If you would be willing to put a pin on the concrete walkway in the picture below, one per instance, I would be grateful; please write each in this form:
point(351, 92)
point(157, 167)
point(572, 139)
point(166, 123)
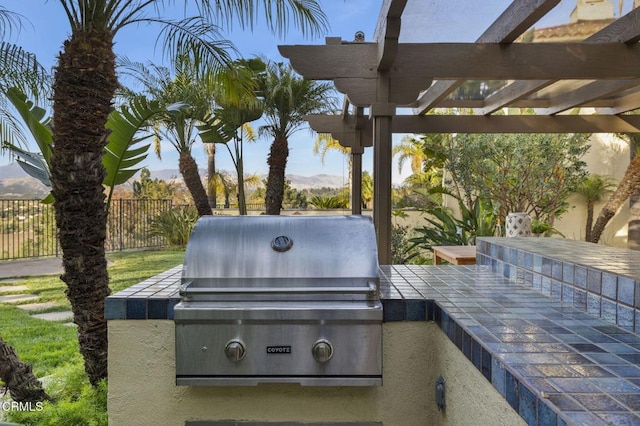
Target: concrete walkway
point(30, 267)
point(11, 273)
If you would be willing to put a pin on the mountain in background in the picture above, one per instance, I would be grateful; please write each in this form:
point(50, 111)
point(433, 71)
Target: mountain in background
point(15, 183)
point(298, 182)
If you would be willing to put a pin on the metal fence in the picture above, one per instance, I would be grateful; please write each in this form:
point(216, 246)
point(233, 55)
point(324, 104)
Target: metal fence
point(28, 228)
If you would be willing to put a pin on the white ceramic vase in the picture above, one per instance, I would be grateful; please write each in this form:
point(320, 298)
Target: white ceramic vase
point(518, 225)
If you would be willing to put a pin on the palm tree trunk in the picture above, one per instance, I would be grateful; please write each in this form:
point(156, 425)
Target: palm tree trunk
point(629, 183)
point(277, 161)
point(211, 172)
point(189, 171)
point(633, 238)
point(18, 377)
point(85, 83)
point(242, 202)
point(589, 227)
point(633, 235)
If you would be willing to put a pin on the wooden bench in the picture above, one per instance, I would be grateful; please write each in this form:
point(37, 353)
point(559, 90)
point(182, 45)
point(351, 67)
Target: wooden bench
point(456, 255)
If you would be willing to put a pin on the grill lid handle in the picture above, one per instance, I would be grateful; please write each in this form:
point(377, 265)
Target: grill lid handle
point(185, 290)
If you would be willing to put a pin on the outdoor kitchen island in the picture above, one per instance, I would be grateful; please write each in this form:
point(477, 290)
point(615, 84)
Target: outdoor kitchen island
point(517, 338)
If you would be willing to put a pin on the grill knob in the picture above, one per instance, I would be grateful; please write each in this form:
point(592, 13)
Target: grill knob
point(234, 350)
point(322, 350)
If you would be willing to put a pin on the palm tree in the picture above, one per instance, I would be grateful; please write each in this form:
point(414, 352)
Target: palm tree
point(228, 124)
point(244, 133)
point(84, 87)
point(425, 153)
point(593, 189)
point(226, 183)
point(410, 148)
point(287, 99)
point(223, 181)
point(188, 97)
point(367, 189)
point(324, 143)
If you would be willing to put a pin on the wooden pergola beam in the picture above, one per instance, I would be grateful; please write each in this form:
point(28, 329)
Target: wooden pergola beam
point(470, 61)
point(493, 124)
point(385, 74)
point(589, 92)
point(624, 104)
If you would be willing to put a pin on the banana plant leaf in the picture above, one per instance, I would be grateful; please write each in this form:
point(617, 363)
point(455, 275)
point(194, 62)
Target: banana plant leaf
point(32, 163)
point(214, 130)
point(122, 153)
point(36, 121)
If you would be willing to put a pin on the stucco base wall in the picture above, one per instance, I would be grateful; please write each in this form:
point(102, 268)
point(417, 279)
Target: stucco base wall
point(142, 388)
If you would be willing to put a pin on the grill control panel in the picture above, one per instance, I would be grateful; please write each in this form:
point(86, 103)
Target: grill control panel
point(235, 350)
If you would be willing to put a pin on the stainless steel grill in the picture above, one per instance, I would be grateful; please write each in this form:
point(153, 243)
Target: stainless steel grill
point(280, 299)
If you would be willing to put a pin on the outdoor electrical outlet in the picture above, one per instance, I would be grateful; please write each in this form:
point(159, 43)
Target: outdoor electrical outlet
point(440, 393)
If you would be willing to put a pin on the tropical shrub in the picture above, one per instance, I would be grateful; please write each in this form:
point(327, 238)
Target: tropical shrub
point(175, 225)
point(445, 229)
point(402, 251)
point(543, 229)
point(328, 202)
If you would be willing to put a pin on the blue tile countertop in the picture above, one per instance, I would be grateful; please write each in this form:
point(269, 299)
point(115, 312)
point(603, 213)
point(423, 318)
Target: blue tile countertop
point(553, 363)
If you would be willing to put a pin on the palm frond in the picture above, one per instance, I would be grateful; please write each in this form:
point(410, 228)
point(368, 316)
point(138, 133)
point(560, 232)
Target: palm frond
point(21, 69)
point(199, 39)
point(9, 21)
point(305, 15)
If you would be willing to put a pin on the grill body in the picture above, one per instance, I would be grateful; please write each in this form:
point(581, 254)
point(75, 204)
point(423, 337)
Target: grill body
point(280, 299)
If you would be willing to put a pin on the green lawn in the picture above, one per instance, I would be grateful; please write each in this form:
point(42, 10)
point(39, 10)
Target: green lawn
point(52, 348)
point(125, 269)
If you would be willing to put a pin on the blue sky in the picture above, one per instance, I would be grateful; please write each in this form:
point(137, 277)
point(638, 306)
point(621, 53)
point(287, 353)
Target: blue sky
point(46, 28)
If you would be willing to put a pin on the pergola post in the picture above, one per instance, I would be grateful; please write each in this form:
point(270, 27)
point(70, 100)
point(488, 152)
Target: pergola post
point(356, 179)
point(382, 113)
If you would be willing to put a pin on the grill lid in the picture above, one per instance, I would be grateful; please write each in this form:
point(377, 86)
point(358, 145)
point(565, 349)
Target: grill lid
point(253, 250)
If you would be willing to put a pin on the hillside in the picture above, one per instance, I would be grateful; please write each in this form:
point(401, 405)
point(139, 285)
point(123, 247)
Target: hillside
point(15, 183)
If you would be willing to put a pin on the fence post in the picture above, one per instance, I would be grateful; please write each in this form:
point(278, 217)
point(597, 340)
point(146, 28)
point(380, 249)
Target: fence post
point(120, 216)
